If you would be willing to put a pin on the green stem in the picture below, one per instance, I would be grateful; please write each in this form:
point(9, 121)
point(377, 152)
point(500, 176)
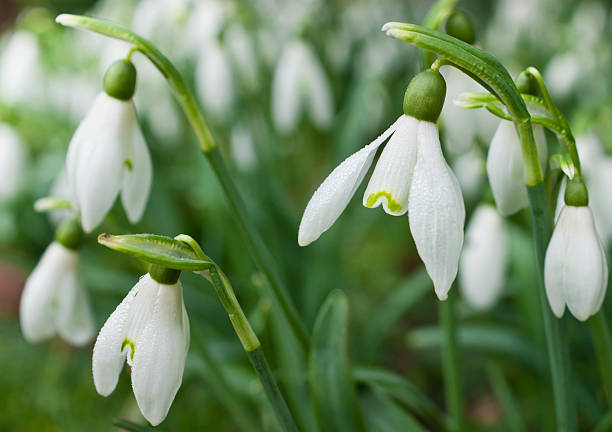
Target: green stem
point(129, 426)
point(252, 347)
point(603, 348)
point(554, 329)
point(434, 18)
point(264, 373)
point(451, 361)
point(187, 101)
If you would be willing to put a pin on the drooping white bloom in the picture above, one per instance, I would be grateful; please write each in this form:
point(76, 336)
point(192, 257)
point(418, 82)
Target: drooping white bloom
point(483, 260)
point(108, 154)
point(575, 268)
point(12, 162)
point(469, 169)
point(214, 80)
point(410, 176)
point(150, 329)
point(462, 126)
point(240, 46)
point(505, 167)
point(300, 83)
point(242, 148)
point(21, 77)
point(54, 300)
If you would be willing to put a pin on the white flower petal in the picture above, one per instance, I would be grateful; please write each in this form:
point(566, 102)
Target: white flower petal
point(141, 308)
point(436, 211)
point(483, 259)
point(12, 162)
point(138, 175)
point(38, 307)
point(505, 167)
point(74, 318)
point(106, 134)
point(160, 356)
point(108, 356)
point(390, 182)
point(333, 195)
point(575, 268)
point(316, 90)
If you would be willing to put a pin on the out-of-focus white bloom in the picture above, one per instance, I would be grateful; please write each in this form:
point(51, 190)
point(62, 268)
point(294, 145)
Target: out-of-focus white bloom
point(411, 165)
point(54, 300)
point(108, 154)
point(204, 24)
point(150, 329)
point(597, 168)
point(21, 77)
point(214, 81)
point(562, 73)
point(575, 269)
point(12, 162)
point(242, 148)
point(483, 260)
point(469, 169)
point(240, 46)
point(505, 167)
point(462, 126)
point(72, 94)
point(300, 83)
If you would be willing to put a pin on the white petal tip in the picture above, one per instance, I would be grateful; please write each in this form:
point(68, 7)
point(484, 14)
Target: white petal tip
point(442, 296)
point(66, 19)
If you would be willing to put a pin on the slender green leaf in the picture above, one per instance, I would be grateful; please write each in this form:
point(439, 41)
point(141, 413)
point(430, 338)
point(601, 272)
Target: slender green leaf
point(330, 370)
point(503, 393)
point(385, 415)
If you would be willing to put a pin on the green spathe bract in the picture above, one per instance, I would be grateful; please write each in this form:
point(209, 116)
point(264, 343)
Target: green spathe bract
point(120, 80)
point(156, 249)
point(424, 96)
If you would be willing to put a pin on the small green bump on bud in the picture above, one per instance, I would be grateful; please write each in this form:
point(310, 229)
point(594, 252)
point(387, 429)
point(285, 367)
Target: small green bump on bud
point(459, 25)
point(525, 83)
point(164, 275)
point(69, 234)
point(120, 80)
point(576, 194)
point(424, 96)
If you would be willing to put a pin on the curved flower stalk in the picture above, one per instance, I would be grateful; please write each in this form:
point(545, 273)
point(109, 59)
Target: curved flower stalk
point(505, 167)
point(411, 176)
point(149, 329)
point(108, 153)
point(483, 260)
point(576, 269)
point(12, 162)
point(300, 83)
point(54, 300)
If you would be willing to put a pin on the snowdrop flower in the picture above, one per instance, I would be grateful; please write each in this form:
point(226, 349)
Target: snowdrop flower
point(54, 300)
point(149, 329)
point(12, 162)
point(505, 167)
point(575, 267)
point(214, 81)
point(300, 83)
point(469, 170)
point(108, 153)
point(411, 176)
point(20, 69)
point(483, 260)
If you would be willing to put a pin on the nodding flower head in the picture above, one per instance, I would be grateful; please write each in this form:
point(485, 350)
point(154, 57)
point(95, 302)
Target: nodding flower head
point(108, 153)
point(150, 330)
point(411, 176)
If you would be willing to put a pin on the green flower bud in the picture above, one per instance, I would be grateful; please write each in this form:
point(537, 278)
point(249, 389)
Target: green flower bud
point(69, 234)
point(120, 80)
point(459, 25)
point(163, 274)
point(576, 194)
point(424, 96)
point(526, 83)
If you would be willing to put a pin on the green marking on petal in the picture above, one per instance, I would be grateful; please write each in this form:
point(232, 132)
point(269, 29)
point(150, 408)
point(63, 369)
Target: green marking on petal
point(392, 205)
point(128, 164)
point(132, 345)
